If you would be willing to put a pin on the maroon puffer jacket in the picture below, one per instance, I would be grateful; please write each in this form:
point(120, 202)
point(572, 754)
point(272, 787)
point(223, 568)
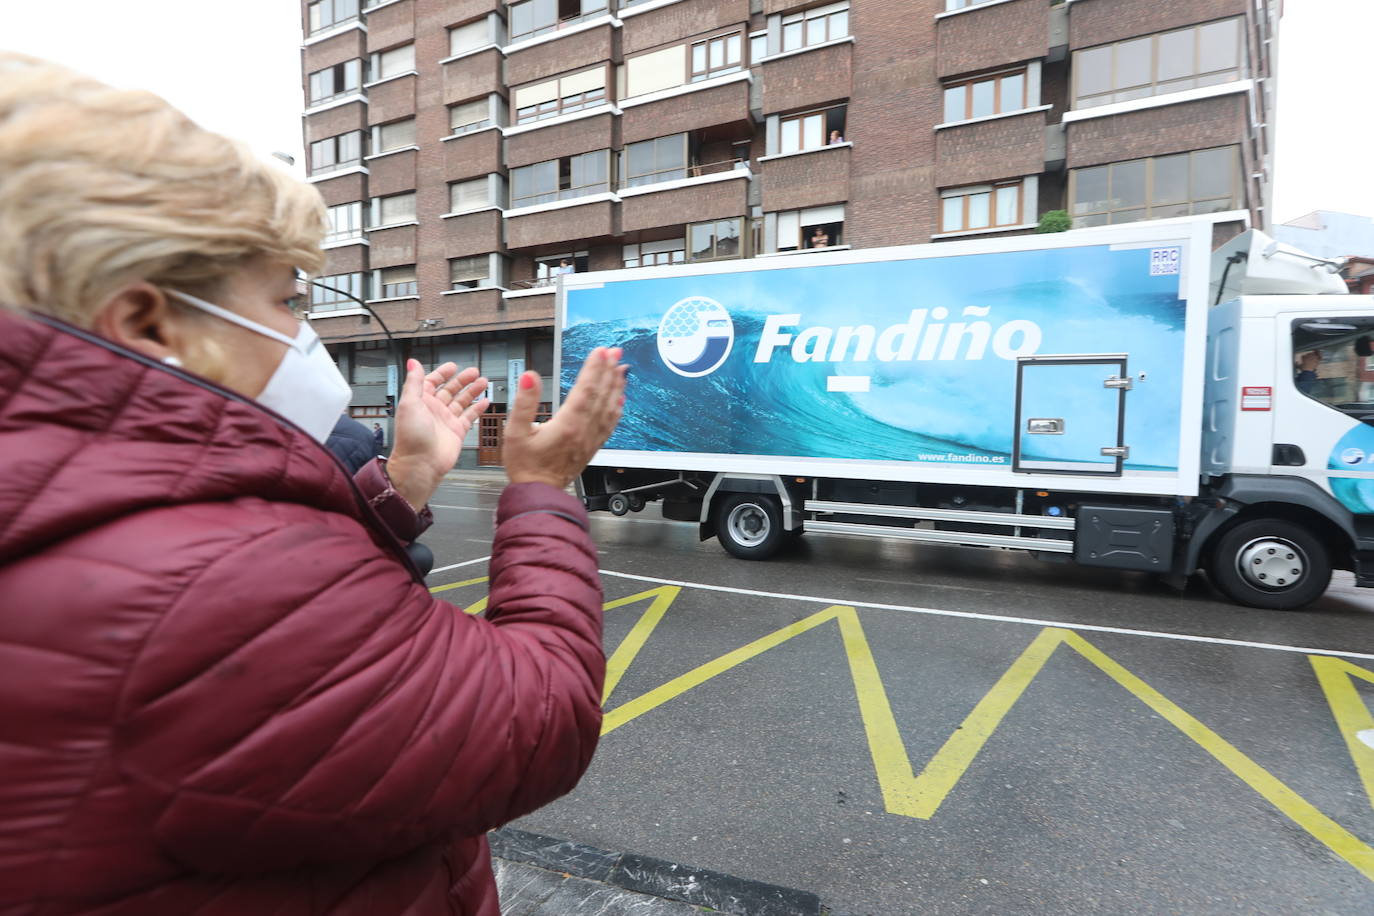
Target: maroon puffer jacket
point(223, 690)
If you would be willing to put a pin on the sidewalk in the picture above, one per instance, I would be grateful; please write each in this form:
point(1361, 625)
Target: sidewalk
point(541, 876)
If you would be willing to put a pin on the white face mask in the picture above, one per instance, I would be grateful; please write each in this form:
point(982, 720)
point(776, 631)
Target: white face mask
point(307, 387)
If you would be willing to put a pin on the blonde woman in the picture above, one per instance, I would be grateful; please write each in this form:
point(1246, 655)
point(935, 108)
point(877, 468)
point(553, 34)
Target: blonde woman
point(223, 687)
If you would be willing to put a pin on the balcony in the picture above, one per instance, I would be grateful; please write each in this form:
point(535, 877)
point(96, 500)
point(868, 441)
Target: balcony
point(807, 178)
point(542, 56)
point(659, 25)
point(472, 154)
point(1100, 135)
point(471, 75)
point(390, 25)
point(488, 309)
point(391, 99)
point(986, 149)
point(793, 79)
point(392, 246)
point(984, 36)
point(393, 172)
point(721, 101)
point(472, 233)
point(564, 221)
point(709, 191)
point(570, 138)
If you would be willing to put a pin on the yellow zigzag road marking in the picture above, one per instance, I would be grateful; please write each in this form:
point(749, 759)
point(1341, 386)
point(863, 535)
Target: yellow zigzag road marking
point(1336, 677)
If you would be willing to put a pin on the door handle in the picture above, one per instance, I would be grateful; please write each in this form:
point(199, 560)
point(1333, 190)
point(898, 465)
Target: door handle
point(1123, 451)
point(1045, 426)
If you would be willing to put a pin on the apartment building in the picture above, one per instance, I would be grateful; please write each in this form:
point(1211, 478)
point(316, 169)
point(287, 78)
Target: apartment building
point(471, 150)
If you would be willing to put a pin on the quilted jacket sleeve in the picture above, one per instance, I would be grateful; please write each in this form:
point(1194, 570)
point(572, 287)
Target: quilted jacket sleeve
point(305, 701)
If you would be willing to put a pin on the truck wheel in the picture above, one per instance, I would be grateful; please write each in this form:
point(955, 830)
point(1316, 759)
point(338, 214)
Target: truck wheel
point(749, 525)
point(1270, 563)
point(636, 502)
point(618, 503)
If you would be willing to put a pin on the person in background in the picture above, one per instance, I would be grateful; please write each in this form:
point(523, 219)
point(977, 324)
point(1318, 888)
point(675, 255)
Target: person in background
point(352, 444)
point(564, 267)
point(379, 437)
point(835, 137)
point(225, 687)
point(820, 238)
point(1306, 376)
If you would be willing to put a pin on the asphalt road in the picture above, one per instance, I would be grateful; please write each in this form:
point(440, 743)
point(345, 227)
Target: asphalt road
point(906, 728)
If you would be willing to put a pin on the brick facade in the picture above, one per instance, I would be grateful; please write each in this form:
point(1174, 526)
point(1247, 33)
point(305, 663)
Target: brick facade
point(578, 50)
point(990, 150)
point(335, 121)
point(392, 173)
point(472, 233)
point(806, 180)
point(343, 189)
point(808, 79)
point(672, 23)
point(350, 45)
point(993, 36)
point(392, 100)
point(473, 154)
point(717, 200)
point(473, 76)
point(723, 105)
point(391, 26)
point(581, 136)
point(1095, 22)
point(392, 247)
point(552, 227)
point(1157, 131)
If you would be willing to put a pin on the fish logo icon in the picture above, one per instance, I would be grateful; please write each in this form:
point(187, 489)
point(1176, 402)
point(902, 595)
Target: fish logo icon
point(695, 336)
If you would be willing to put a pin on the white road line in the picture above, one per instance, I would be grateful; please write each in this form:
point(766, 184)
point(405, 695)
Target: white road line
point(456, 565)
point(1367, 736)
point(995, 618)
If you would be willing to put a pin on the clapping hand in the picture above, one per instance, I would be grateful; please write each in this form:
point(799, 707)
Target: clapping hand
point(556, 452)
point(434, 414)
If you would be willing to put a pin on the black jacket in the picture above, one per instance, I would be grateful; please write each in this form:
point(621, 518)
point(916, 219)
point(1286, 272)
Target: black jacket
point(351, 443)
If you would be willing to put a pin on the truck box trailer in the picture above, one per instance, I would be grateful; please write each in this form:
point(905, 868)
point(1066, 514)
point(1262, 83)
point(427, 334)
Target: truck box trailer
point(1120, 397)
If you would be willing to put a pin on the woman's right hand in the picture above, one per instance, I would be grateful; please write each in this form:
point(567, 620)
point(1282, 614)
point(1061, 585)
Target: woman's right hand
point(556, 452)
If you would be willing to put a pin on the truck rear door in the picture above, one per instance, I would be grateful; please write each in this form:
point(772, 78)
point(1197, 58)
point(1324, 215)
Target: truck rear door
point(1070, 415)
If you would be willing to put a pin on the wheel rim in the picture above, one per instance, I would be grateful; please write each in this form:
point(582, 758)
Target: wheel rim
point(749, 525)
point(1271, 563)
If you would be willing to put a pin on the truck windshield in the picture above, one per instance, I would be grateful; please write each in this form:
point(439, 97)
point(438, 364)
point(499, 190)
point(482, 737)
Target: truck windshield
point(1333, 362)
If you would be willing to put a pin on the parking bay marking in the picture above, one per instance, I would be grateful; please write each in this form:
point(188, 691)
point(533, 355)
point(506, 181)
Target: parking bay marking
point(920, 796)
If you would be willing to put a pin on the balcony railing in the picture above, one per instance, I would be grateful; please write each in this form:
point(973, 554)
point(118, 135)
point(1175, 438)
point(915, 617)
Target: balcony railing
point(695, 170)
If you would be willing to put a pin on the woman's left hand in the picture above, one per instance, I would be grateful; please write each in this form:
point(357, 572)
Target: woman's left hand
point(434, 414)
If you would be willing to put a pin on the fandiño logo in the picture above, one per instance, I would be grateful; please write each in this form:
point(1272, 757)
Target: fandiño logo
point(695, 336)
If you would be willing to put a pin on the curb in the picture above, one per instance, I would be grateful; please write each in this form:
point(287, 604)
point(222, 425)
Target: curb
point(645, 875)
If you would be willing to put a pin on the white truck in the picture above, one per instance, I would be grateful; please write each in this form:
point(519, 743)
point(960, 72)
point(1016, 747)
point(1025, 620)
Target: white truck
point(1123, 397)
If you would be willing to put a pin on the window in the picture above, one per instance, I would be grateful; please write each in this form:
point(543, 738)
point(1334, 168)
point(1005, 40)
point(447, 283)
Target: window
point(393, 63)
point(396, 135)
point(1331, 363)
point(656, 254)
point(469, 116)
point(469, 273)
point(652, 161)
point(476, 194)
point(714, 240)
point(560, 179)
point(539, 17)
point(332, 82)
point(332, 293)
point(962, 4)
point(981, 207)
point(327, 13)
point(548, 267)
point(986, 95)
point(336, 152)
point(369, 363)
point(345, 222)
point(469, 37)
point(396, 282)
point(1205, 181)
point(657, 70)
point(811, 130)
point(814, 227)
point(1201, 55)
point(758, 46)
point(561, 96)
point(811, 27)
point(716, 56)
point(398, 208)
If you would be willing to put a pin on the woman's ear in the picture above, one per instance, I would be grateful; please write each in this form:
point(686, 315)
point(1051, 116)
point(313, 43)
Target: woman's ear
point(141, 317)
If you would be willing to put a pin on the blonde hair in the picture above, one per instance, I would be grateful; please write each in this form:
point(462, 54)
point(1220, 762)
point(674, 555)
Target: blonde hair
point(100, 187)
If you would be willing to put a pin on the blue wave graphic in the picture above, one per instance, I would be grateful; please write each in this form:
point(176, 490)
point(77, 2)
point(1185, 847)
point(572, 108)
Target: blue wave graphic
point(949, 411)
point(711, 354)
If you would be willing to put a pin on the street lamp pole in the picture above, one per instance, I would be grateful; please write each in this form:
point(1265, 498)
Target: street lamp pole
point(393, 349)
